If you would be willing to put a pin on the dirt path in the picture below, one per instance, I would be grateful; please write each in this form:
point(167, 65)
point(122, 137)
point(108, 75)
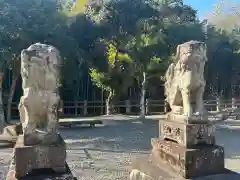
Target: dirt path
point(105, 153)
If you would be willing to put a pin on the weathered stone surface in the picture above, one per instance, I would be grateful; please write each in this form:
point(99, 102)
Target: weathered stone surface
point(183, 119)
point(40, 138)
point(200, 161)
point(184, 85)
point(40, 71)
point(150, 167)
point(187, 134)
point(28, 158)
point(45, 174)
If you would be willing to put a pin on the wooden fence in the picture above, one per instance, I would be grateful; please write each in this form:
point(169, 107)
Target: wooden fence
point(95, 108)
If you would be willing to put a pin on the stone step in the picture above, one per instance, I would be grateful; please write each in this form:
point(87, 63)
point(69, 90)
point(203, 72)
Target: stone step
point(199, 161)
point(187, 134)
point(149, 167)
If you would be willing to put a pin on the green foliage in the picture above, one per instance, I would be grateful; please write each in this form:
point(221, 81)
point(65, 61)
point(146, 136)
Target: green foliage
point(99, 79)
point(73, 8)
point(222, 69)
point(146, 31)
point(159, 35)
point(118, 41)
point(117, 77)
point(223, 44)
point(24, 22)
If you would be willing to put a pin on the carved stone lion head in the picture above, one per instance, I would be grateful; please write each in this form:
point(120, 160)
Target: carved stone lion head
point(190, 56)
point(41, 54)
point(37, 62)
point(194, 49)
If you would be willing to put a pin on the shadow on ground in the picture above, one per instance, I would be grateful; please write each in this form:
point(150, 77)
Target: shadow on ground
point(120, 136)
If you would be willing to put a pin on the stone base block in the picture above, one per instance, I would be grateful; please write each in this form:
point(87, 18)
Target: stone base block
point(29, 158)
point(187, 134)
point(149, 167)
point(201, 161)
point(40, 138)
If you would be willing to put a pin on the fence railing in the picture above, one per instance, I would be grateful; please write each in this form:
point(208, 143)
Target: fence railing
point(94, 108)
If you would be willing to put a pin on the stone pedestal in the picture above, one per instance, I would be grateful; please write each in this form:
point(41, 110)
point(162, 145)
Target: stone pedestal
point(187, 149)
point(37, 157)
point(151, 167)
point(199, 161)
point(41, 138)
point(187, 133)
point(188, 146)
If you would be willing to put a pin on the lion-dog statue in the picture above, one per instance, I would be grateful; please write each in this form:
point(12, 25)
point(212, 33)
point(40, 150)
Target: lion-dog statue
point(38, 107)
point(184, 79)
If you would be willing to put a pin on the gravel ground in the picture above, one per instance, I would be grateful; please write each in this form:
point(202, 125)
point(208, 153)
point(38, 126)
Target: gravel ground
point(105, 153)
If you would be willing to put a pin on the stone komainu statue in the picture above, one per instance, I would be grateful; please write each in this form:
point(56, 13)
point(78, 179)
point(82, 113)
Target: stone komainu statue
point(185, 84)
point(40, 71)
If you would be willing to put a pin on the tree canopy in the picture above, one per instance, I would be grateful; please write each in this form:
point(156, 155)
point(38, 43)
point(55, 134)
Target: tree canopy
point(119, 45)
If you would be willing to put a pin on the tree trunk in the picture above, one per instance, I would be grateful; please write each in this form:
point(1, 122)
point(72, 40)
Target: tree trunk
point(110, 103)
point(10, 98)
point(143, 97)
point(2, 118)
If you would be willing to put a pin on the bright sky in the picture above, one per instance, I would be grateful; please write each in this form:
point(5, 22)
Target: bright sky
point(203, 6)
